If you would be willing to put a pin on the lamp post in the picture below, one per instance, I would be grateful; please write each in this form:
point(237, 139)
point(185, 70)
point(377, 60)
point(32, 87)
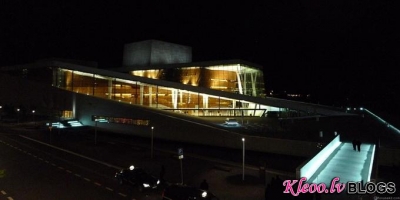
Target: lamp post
point(95, 132)
point(243, 140)
point(152, 136)
point(33, 114)
point(18, 115)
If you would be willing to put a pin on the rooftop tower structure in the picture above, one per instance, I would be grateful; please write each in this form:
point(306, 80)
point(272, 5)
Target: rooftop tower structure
point(154, 52)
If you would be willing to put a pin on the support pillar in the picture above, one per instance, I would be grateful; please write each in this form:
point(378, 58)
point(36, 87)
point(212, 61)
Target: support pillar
point(141, 95)
point(150, 96)
point(110, 91)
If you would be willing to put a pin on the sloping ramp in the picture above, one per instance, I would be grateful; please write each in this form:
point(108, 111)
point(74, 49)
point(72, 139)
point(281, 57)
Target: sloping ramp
point(347, 164)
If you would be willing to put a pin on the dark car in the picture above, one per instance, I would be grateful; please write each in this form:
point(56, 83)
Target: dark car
point(137, 177)
point(184, 192)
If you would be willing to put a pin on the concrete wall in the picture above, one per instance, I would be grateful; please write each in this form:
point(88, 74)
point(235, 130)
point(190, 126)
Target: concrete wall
point(171, 126)
point(153, 52)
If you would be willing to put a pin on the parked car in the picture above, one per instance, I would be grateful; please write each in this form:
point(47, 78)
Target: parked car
point(137, 177)
point(184, 192)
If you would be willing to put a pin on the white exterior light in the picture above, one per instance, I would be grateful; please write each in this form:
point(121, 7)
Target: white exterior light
point(204, 194)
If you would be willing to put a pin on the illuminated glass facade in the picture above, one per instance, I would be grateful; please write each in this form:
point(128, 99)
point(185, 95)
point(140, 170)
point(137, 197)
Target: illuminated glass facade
point(169, 98)
point(235, 78)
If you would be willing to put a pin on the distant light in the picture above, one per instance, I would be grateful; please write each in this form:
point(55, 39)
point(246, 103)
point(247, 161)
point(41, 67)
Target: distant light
point(33, 111)
point(361, 108)
point(355, 108)
point(131, 167)
point(243, 139)
point(348, 108)
point(101, 120)
point(18, 109)
point(152, 127)
point(204, 194)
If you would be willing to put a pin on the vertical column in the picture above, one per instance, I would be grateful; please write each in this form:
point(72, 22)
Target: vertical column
point(180, 96)
point(239, 81)
point(197, 105)
point(136, 94)
point(157, 97)
point(141, 95)
point(253, 83)
point(234, 107)
point(205, 103)
point(174, 98)
point(110, 90)
point(245, 92)
point(73, 105)
point(150, 95)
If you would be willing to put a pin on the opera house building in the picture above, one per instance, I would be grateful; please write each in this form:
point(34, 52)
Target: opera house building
point(156, 78)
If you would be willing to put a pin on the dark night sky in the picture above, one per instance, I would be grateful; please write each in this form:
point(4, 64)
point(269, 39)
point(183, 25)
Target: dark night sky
point(341, 52)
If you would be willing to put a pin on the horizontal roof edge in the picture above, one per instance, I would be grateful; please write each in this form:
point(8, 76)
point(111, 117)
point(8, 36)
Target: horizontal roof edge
point(179, 65)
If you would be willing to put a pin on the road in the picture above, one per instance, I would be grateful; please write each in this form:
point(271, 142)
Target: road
point(29, 170)
point(89, 167)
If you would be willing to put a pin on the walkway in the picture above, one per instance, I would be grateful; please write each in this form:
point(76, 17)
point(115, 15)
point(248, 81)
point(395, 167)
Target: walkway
point(347, 164)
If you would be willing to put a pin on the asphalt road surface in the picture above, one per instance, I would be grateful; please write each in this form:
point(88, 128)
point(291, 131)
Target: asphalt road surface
point(29, 170)
point(70, 165)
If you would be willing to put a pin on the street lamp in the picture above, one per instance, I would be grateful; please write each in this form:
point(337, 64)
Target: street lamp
point(152, 136)
point(33, 114)
point(95, 132)
point(243, 140)
point(18, 115)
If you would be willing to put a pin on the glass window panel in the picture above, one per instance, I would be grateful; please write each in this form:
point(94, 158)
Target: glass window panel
point(101, 86)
